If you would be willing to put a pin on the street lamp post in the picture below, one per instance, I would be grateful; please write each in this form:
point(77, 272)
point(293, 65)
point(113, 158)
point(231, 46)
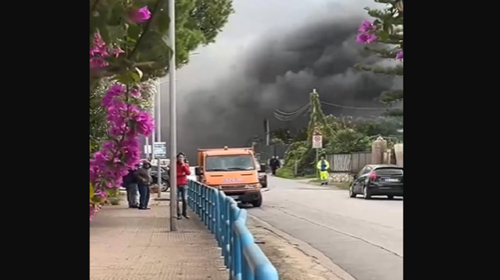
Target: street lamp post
point(173, 118)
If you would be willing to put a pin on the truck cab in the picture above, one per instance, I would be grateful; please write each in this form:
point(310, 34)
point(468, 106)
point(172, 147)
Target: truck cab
point(232, 170)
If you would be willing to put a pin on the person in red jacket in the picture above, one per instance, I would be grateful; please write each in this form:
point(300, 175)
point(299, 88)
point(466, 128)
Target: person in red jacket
point(182, 173)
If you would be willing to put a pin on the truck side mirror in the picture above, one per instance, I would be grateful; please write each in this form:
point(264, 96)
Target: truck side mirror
point(263, 168)
point(198, 171)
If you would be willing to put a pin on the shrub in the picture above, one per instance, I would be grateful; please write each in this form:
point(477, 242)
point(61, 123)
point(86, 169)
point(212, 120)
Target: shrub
point(285, 172)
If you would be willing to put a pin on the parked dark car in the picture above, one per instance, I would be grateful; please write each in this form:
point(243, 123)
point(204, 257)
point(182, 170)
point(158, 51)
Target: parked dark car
point(165, 182)
point(378, 179)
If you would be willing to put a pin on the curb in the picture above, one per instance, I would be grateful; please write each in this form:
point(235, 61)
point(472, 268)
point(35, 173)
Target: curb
point(307, 249)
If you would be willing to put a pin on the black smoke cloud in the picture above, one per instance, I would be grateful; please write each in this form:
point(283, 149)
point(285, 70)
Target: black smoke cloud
point(280, 72)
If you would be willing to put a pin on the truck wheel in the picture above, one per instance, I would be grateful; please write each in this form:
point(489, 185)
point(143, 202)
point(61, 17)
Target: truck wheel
point(257, 202)
point(165, 185)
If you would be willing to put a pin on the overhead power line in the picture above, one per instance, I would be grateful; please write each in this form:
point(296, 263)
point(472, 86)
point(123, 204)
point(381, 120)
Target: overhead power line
point(352, 108)
point(288, 116)
point(293, 113)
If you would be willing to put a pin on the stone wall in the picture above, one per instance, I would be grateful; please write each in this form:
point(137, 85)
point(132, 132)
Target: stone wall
point(340, 177)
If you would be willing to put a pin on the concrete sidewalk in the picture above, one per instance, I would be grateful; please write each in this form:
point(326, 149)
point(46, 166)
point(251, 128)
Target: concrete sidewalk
point(137, 245)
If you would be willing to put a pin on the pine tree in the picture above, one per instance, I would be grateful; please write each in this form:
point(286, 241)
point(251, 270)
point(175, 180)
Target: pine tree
point(385, 36)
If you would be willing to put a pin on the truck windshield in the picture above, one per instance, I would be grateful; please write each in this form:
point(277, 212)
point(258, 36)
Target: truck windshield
point(229, 163)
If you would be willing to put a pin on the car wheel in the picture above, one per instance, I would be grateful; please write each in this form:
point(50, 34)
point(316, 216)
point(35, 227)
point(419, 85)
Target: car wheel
point(390, 197)
point(257, 202)
point(351, 192)
point(366, 193)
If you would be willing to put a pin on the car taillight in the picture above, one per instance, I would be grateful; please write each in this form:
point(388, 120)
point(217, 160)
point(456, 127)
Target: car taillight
point(372, 175)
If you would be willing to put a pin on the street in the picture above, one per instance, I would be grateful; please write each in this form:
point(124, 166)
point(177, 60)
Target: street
point(363, 237)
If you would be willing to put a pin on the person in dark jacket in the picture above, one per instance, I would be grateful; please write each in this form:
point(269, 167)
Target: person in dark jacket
point(144, 180)
point(278, 162)
point(182, 173)
point(130, 184)
point(274, 164)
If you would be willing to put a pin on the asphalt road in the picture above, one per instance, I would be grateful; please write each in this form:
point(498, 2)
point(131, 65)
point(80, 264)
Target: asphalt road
point(363, 237)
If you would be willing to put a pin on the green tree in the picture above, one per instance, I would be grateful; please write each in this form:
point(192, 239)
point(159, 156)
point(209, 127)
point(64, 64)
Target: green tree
point(281, 135)
point(145, 45)
point(385, 36)
point(197, 23)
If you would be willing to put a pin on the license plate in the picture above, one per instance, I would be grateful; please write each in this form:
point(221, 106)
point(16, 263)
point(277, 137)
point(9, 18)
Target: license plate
point(234, 196)
point(391, 180)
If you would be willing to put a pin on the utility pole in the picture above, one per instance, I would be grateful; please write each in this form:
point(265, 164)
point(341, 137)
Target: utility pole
point(173, 118)
point(158, 131)
point(153, 113)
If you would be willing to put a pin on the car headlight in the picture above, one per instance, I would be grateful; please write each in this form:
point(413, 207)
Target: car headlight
point(252, 186)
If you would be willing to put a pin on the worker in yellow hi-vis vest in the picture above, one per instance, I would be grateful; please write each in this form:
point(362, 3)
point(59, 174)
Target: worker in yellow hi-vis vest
point(323, 165)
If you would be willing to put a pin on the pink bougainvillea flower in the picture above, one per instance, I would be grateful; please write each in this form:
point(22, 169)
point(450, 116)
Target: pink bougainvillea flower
point(98, 46)
point(135, 93)
point(114, 91)
point(98, 42)
point(139, 16)
point(117, 52)
point(399, 55)
point(366, 26)
point(97, 62)
point(366, 38)
point(126, 122)
point(144, 123)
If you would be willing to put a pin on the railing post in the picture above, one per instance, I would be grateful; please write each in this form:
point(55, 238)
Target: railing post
point(210, 210)
point(204, 204)
point(217, 217)
point(197, 195)
point(189, 192)
point(213, 211)
point(201, 203)
point(207, 205)
point(227, 237)
point(233, 215)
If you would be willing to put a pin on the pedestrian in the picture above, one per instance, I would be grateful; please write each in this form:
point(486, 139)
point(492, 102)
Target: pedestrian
point(278, 162)
point(274, 164)
point(130, 184)
point(144, 180)
point(272, 161)
point(182, 181)
point(323, 165)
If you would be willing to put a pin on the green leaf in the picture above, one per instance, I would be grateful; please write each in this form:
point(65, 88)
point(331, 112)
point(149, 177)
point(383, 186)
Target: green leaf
point(91, 191)
point(163, 22)
point(134, 31)
point(116, 14)
point(130, 77)
point(116, 32)
point(383, 35)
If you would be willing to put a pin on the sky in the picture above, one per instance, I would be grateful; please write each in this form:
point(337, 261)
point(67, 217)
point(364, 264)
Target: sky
point(270, 55)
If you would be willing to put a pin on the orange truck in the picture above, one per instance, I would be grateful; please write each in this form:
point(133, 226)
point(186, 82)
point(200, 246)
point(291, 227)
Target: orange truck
point(232, 170)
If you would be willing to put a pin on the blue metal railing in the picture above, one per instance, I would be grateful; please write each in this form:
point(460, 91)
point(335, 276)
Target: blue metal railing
point(220, 213)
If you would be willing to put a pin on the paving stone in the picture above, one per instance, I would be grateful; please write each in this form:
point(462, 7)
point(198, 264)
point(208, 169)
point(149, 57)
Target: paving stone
point(130, 244)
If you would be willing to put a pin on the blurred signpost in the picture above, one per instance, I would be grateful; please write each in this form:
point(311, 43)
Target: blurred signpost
point(160, 150)
point(317, 143)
